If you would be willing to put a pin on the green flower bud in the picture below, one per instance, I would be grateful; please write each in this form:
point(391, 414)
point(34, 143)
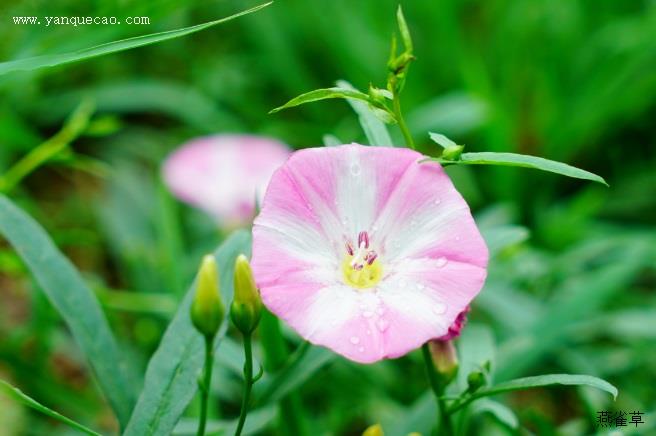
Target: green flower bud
point(453, 152)
point(207, 310)
point(475, 380)
point(246, 307)
point(445, 360)
point(374, 430)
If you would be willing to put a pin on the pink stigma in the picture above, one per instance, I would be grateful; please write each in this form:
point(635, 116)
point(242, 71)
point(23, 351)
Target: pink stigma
point(361, 254)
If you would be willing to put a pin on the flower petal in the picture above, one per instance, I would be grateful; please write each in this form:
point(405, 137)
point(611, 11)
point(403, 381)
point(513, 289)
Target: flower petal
point(223, 174)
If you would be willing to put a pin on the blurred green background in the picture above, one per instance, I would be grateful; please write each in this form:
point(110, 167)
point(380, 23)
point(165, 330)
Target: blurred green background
point(573, 277)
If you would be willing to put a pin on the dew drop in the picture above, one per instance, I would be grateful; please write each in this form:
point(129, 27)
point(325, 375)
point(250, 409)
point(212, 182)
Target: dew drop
point(367, 314)
point(374, 228)
point(457, 238)
point(441, 262)
point(355, 340)
point(368, 331)
point(382, 325)
point(437, 201)
point(355, 169)
point(361, 349)
point(439, 308)
point(420, 286)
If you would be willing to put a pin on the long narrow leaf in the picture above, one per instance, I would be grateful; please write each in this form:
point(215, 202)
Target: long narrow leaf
point(44, 61)
point(540, 381)
point(19, 396)
point(522, 160)
point(74, 301)
point(171, 377)
point(322, 94)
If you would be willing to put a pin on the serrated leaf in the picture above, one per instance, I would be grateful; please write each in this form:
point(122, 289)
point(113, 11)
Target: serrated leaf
point(369, 117)
point(172, 372)
point(74, 301)
point(322, 94)
point(524, 161)
point(19, 396)
point(44, 61)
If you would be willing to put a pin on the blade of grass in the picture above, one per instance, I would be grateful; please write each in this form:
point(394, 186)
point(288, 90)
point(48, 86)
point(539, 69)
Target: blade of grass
point(74, 301)
point(45, 61)
point(19, 396)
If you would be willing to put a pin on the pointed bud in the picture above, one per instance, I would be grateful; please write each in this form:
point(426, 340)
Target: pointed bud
point(445, 360)
point(475, 380)
point(374, 430)
point(207, 309)
point(453, 152)
point(246, 306)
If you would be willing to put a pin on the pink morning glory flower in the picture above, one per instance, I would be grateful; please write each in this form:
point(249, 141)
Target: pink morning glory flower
point(224, 174)
point(365, 250)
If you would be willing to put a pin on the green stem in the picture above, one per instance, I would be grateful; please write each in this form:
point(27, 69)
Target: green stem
point(248, 383)
point(399, 119)
point(205, 386)
point(446, 425)
point(75, 125)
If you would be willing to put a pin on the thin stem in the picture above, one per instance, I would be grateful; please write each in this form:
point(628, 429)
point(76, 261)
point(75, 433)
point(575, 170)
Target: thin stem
point(399, 119)
point(248, 383)
point(438, 389)
point(205, 386)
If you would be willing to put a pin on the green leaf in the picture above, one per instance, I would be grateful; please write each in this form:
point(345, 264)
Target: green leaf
point(74, 301)
point(373, 127)
point(441, 140)
point(323, 94)
point(172, 372)
point(331, 141)
point(538, 382)
point(403, 30)
point(500, 237)
point(522, 160)
point(274, 387)
point(501, 412)
point(45, 61)
point(19, 396)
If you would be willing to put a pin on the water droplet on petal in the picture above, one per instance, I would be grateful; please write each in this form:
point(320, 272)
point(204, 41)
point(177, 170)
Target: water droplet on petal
point(439, 308)
point(355, 340)
point(374, 228)
point(355, 169)
point(367, 314)
point(441, 262)
point(420, 286)
point(457, 238)
point(368, 331)
point(382, 325)
point(437, 201)
point(361, 349)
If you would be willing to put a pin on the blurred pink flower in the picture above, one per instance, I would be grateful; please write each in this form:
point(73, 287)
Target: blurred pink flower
point(223, 174)
point(366, 251)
